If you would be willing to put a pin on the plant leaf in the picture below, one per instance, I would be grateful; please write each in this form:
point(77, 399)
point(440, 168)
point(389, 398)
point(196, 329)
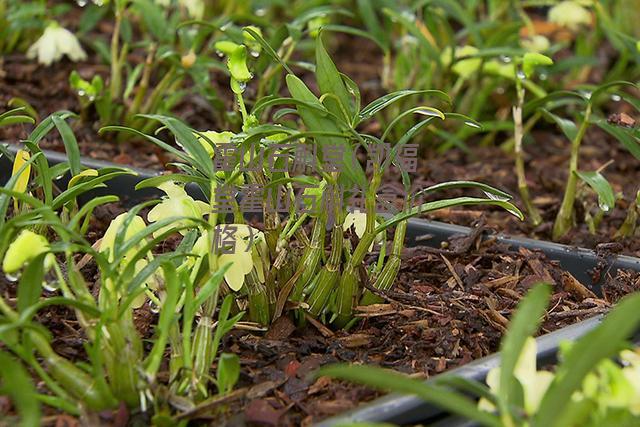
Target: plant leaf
point(388, 99)
point(603, 342)
point(524, 324)
point(70, 144)
point(228, 372)
point(17, 384)
point(385, 379)
point(599, 184)
point(567, 126)
point(330, 81)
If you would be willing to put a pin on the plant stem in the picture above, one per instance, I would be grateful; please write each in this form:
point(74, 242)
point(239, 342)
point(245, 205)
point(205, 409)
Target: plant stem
point(564, 220)
point(629, 226)
point(116, 66)
point(329, 275)
point(387, 277)
point(144, 84)
point(518, 135)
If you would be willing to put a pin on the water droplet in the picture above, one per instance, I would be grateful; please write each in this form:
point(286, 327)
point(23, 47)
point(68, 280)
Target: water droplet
point(615, 97)
point(506, 59)
point(219, 53)
point(154, 307)
point(604, 207)
point(261, 11)
point(472, 124)
point(12, 277)
point(255, 54)
point(543, 76)
point(50, 286)
point(408, 15)
point(82, 92)
point(521, 75)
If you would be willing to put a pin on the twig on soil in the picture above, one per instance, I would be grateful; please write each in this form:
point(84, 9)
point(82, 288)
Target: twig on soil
point(326, 332)
point(207, 405)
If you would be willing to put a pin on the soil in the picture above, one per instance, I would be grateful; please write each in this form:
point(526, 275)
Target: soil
point(547, 159)
point(449, 307)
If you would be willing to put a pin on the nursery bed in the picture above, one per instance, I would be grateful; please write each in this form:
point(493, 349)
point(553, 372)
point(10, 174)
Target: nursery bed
point(547, 160)
point(450, 306)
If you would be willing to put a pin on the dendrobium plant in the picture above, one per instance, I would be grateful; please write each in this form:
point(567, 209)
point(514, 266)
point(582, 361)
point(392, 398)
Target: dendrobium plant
point(305, 213)
point(44, 246)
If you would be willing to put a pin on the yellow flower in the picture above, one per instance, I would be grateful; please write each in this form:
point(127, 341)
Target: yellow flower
point(195, 8)
point(177, 203)
point(358, 220)
point(107, 244)
point(216, 138)
point(570, 14)
point(22, 157)
point(54, 43)
point(534, 383)
point(465, 67)
point(537, 43)
point(27, 246)
point(247, 252)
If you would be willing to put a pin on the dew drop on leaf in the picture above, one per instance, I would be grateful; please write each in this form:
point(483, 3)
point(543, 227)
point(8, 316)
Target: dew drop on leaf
point(50, 286)
point(154, 307)
point(12, 277)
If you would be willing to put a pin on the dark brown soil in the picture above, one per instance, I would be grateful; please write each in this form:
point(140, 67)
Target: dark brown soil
point(546, 168)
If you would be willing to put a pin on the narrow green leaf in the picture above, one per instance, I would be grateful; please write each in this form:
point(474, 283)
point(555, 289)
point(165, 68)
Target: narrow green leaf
point(30, 285)
point(624, 135)
point(211, 286)
point(330, 81)
point(386, 100)
point(166, 320)
point(267, 47)
point(17, 384)
point(316, 122)
point(603, 342)
point(447, 203)
point(185, 137)
point(70, 144)
point(523, 325)
point(153, 17)
point(599, 184)
point(605, 87)
point(228, 372)
point(567, 126)
point(388, 380)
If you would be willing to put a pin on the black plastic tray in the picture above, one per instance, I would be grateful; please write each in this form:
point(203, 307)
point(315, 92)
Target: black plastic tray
point(409, 409)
